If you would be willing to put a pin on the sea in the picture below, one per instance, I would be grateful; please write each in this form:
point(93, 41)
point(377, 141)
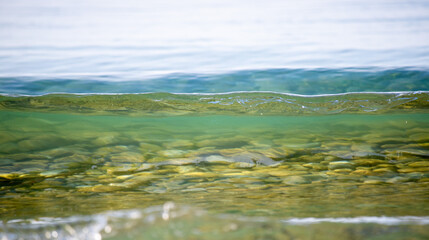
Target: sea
point(245, 119)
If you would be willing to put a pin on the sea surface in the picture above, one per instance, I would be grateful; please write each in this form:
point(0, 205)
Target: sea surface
point(214, 119)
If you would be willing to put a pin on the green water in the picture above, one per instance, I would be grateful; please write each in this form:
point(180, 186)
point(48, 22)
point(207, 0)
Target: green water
point(237, 103)
point(60, 165)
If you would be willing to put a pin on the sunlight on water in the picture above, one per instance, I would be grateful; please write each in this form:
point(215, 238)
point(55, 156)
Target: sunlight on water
point(214, 119)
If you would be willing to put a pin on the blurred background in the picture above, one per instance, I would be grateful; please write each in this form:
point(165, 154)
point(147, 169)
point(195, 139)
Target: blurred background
point(132, 39)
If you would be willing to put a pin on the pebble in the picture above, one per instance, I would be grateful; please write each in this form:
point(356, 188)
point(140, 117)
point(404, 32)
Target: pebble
point(4, 162)
point(243, 165)
point(223, 143)
point(256, 158)
point(367, 162)
point(363, 172)
point(52, 173)
point(217, 159)
point(171, 153)
point(420, 137)
point(362, 148)
point(185, 169)
point(373, 181)
point(147, 147)
point(340, 171)
point(9, 147)
point(424, 180)
point(383, 170)
point(397, 179)
point(9, 175)
point(200, 174)
point(105, 140)
point(419, 164)
point(412, 170)
point(292, 180)
point(99, 188)
point(125, 157)
point(283, 173)
point(339, 165)
point(179, 144)
point(41, 142)
point(316, 166)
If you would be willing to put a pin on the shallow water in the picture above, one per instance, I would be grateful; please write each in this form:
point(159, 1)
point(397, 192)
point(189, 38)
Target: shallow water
point(214, 119)
point(276, 167)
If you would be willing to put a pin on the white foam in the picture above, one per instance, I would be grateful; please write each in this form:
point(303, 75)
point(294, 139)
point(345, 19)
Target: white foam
point(363, 219)
point(398, 93)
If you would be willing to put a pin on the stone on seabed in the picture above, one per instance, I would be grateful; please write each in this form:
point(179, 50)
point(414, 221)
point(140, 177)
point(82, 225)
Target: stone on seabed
point(339, 165)
point(292, 180)
point(419, 164)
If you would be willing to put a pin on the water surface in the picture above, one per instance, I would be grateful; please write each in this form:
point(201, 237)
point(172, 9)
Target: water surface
point(214, 119)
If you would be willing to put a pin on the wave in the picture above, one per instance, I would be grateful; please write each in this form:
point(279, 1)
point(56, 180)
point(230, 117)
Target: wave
point(142, 223)
point(241, 103)
point(292, 81)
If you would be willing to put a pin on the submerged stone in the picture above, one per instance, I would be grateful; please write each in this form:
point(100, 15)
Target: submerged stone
point(398, 179)
point(52, 173)
point(292, 180)
point(217, 159)
point(243, 165)
point(420, 137)
point(419, 164)
point(367, 162)
point(413, 170)
point(179, 144)
point(147, 147)
point(41, 142)
point(255, 158)
point(223, 143)
point(127, 157)
point(10, 147)
point(373, 181)
point(172, 153)
point(339, 165)
point(105, 140)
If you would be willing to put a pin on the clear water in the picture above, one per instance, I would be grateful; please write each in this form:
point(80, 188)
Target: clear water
point(214, 119)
